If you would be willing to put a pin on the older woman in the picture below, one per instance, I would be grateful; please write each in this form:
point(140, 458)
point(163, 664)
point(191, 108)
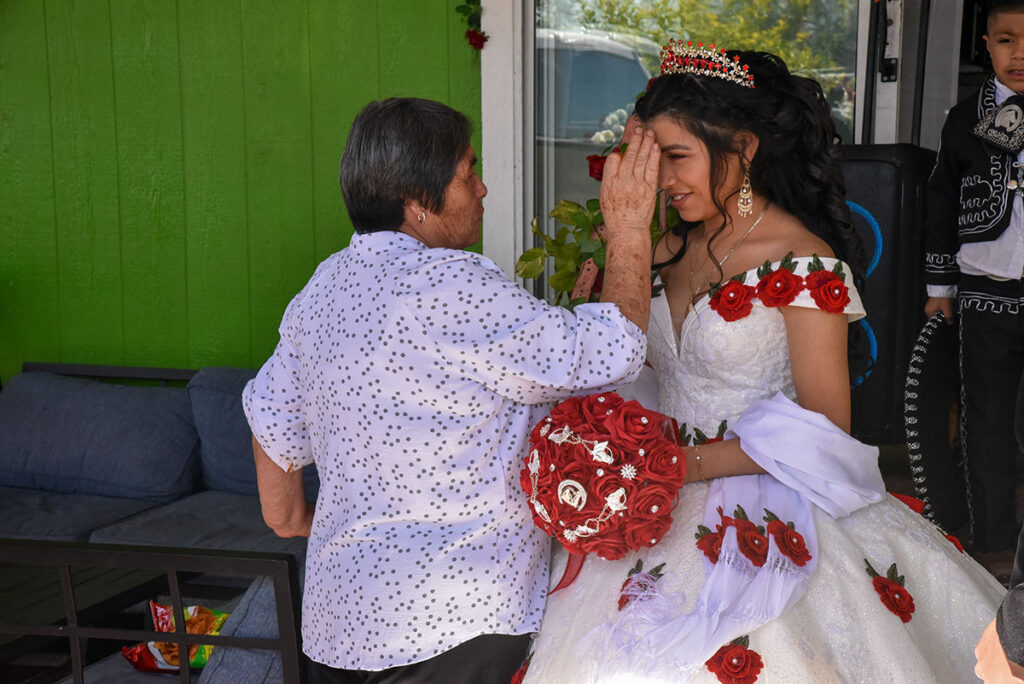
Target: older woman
point(411, 373)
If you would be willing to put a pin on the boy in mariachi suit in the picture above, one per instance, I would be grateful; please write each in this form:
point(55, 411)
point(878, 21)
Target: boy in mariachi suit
point(974, 246)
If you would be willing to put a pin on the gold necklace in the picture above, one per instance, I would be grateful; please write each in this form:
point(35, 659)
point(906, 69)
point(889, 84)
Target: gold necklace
point(693, 291)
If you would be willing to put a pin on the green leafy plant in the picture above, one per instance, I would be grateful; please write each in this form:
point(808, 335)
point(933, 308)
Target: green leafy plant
point(576, 240)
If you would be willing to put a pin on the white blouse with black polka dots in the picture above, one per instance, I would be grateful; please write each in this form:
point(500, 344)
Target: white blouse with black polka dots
point(412, 377)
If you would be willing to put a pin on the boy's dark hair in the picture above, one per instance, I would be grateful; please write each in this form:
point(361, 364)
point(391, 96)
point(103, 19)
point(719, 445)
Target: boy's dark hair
point(400, 149)
point(999, 6)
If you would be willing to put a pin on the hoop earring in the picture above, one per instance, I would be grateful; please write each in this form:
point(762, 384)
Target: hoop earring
point(745, 203)
point(421, 217)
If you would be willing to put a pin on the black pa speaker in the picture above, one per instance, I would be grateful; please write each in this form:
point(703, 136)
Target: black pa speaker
point(885, 187)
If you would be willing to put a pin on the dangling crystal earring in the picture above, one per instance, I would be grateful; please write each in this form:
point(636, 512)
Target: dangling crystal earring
point(745, 203)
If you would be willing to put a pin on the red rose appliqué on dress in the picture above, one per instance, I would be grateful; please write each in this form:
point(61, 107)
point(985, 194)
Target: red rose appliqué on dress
point(710, 543)
point(892, 591)
point(639, 585)
point(827, 288)
point(781, 286)
point(789, 542)
point(735, 663)
point(733, 300)
point(750, 538)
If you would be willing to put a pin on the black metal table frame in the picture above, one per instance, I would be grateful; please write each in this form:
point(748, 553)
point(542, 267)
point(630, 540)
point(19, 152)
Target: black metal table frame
point(280, 567)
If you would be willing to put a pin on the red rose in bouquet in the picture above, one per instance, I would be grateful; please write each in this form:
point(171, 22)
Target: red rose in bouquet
point(632, 427)
point(663, 463)
point(640, 533)
point(602, 476)
point(651, 501)
point(597, 407)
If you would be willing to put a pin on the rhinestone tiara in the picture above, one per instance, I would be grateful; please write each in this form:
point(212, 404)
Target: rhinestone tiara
point(677, 58)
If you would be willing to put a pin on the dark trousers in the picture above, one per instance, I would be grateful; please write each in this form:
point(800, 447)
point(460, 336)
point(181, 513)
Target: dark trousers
point(991, 361)
point(487, 659)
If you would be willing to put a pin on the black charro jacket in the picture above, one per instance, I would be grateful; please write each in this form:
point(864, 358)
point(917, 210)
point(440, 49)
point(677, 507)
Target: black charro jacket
point(968, 198)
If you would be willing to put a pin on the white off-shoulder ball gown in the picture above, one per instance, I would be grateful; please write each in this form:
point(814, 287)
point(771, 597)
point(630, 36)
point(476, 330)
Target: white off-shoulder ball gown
point(726, 362)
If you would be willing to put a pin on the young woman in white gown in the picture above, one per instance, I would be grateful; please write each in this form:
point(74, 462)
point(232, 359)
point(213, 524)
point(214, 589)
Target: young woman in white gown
point(749, 342)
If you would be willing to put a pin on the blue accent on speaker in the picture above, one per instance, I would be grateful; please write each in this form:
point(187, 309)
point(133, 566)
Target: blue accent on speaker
point(876, 231)
point(872, 349)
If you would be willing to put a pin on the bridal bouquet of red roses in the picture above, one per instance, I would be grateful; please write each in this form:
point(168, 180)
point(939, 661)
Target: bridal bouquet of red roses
point(603, 474)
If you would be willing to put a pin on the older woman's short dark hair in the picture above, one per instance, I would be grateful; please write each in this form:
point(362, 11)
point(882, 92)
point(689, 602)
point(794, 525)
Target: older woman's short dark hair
point(400, 149)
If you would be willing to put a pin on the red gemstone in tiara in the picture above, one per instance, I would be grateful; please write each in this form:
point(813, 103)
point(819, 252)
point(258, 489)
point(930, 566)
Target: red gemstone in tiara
point(677, 58)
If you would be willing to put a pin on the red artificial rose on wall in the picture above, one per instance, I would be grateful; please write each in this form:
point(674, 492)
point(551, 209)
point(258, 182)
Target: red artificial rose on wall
point(476, 38)
point(734, 663)
point(732, 301)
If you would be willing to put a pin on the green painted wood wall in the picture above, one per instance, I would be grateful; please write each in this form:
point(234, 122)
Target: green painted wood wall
point(168, 168)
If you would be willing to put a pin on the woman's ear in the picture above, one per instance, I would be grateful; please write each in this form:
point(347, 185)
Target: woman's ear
point(747, 144)
point(414, 212)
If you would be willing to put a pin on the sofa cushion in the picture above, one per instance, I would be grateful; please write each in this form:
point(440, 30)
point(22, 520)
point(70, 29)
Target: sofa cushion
point(34, 514)
point(79, 436)
point(225, 441)
point(206, 520)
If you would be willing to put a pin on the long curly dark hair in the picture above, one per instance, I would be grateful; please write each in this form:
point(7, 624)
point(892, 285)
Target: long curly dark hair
point(796, 163)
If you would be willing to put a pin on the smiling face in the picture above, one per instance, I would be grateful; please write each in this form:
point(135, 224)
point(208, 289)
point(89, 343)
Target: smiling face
point(684, 173)
point(1005, 41)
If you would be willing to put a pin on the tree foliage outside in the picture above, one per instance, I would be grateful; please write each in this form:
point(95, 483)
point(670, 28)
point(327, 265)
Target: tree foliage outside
point(812, 36)
point(817, 38)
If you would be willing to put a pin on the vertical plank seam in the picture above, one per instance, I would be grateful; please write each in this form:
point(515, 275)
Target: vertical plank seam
point(245, 181)
point(53, 181)
point(378, 47)
point(117, 162)
point(448, 53)
point(312, 140)
point(184, 183)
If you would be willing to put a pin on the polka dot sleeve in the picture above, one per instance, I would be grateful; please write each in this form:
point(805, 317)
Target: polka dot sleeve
point(517, 345)
point(272, 400)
